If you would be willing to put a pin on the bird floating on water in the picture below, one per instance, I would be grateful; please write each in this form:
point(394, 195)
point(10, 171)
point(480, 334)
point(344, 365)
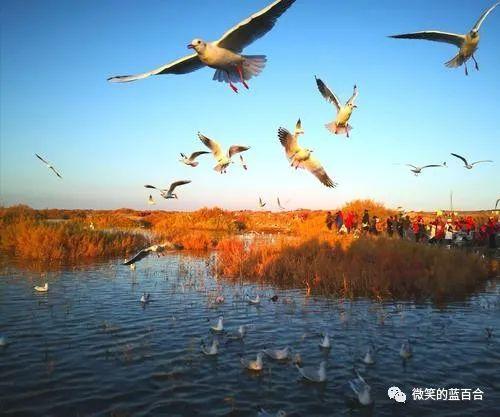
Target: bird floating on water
point(418, 170)
point(471, 165)
point(219, 327)
point(3, 340)
point(170, 192)
point(313, 374)
point(211, 350)
point(224, 55)
point(253, 301)
point(300, 157)
point(253, 365)
point(191, 159)
point(361, 389)
point(405, 351)
point(325, 341)
point(467, 43)
point(43, 288)
point(223, 159)
point(339, 126)
point(264, 413)
point(369, 357)
point(145, 252)
point(278, 354)
point(49, 166)
point(145, 298)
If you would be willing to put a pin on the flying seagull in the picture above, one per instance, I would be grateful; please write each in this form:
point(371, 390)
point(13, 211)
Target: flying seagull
point(145, 252)
point(223, 159)
point(170, 192)
point(279, 204)
point(253, 365)
point(496, 204)
point(418, 170)
point(261, 203)
point(191, 159)
point(300, 157)
point(49, 166)
point(339, 125)
point(224, 54)
point(471, 165)
point(151, 202)
point(243, 164)
point(467, 43)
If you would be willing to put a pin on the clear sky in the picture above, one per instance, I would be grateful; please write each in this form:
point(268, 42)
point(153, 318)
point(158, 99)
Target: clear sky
point(108, 140)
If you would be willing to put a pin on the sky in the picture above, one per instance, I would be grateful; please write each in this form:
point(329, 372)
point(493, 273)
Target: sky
point(108, 140)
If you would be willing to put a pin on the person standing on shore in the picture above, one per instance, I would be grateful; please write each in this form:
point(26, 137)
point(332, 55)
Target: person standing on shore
point(390, 226)
point(329, 220)
point(365, 225)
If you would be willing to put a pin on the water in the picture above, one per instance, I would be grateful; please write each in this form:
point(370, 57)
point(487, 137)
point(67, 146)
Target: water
point(88, 347)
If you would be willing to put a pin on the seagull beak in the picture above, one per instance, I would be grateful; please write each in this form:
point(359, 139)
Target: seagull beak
point(190, 46)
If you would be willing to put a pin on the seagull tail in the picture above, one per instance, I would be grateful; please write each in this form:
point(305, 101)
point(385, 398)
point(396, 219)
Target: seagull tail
point(455, 62)
point(338, 130)
point(253, 65)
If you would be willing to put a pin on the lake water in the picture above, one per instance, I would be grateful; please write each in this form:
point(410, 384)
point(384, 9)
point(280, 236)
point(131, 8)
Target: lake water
point(89, 348)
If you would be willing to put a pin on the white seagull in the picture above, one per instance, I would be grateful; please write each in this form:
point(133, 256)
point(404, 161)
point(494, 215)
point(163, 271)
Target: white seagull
point(467, 43)
point(418, 170)
point(264, 413)
point(253, 365)
point(253, 301)
point(339, 125)
point(466, 164)
point(224, 54)
point(151, 202)
point(145, 298)
point(191, 159)
point(44, 288)
point(406, 351)
point(300, 157)
point(261, 203)
point(313, 374)
point(145, 252)
point(170, 192)
point(279, 204)
point(361, 389)
point(325, 342)
point(369, 357)
point(278, 354)
point(49, 166)
point(219, 327)
point(211, 350)
point(223, 159)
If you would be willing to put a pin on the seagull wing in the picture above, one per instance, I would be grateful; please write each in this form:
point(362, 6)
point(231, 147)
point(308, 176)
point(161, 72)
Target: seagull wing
point(434, 35)
point(479, 162)
point(412, 166)
point(354, 95)
point(195, 155)
point(460, 157)
point(138, 256)
point(183, 65)
point(151, 186)
point(496, 204)
point(431, 166)
point(212, 145)
point(254, 27)
point(41, 159)
point(288, 141)
point(176, 184)
point(483, 16)
point(315, 168)
point(55, 172)
point(327, 93)
point(234, 149)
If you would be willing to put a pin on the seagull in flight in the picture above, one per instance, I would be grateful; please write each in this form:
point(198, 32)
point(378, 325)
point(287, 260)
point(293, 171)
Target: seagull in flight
point(300, 157)
point(339, 125)
point(496, 204)
point(151, 202)
point(191, 159)
point(261, 203)
point(466, 164)
point(224, 54)
point(223, 159)
point(467, 43)
point(49, 166)
point(279, 204)
point(170, 192)
point(418, 170)
point(143, 253)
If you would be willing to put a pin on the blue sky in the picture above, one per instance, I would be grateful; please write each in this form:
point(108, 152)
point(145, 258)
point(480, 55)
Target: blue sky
point(108, 140)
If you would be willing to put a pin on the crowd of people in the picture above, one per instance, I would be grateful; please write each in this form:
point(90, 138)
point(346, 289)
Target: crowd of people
point(448, 229)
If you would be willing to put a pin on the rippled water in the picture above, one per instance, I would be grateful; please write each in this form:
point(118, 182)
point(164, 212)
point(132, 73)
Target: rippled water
point(88, 347)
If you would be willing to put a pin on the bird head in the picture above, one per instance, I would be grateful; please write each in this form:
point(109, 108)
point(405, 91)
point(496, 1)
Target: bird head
point(198, 45)
point(474, 33)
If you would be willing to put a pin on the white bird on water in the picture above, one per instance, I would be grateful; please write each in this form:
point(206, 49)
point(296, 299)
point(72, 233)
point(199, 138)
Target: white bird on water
point(224, 55)
point(44, 288)
point(418, 170)
point(145, 252)
point(49, 166)
point(190, 161)
point(369, 357)
point(170, 192)
point(325, 342)
point(313, 374)
point(405, 351)
point(253, 301)
point(467, 43)
point(278, 354)
point(300, 157)
point(223, 159)
point(145, 298)
point(361, 389)
point(3, 340)
point(253, 365)
point(339, 125)
point(264, 413)
point(219, 327)
point(471, 165)
point(211, 350)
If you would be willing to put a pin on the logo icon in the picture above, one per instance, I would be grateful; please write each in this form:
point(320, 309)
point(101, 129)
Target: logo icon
point(396, 394)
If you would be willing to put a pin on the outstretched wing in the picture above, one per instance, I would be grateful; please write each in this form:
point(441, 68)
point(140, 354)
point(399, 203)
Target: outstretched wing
point(354, 95)
point(41, 159)
point(254, 27)
point(496, 204)
point(431, 166)
point(234, 149)
point(460, 157)
point(327, 93)
point(139, 255)
point(176, 184)
point(315, 168)
point(411, 166)
point(434, 35)
point(212, 145)
point(55, 172)
point(288, 141)
point(151, 186)
point(183, 65)
point(195, 155)
point(483, 16)
point(479, 162)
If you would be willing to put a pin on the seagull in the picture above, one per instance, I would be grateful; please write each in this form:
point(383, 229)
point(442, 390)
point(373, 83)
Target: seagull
point(239, 334)
point(254, 301)
point(223, 160)
point(467, 43)
point(278, 354)
point(300, 157)
point(253, 365)
point(279, 204)
point(166, 194)
point(3, 340)
point(145, 252)
point(496, 204)
point(243, 164)
point(191, 160)
point(264, 413)
point(313, 374)
point(466, 164)
point(145, 298)
point(49, 166)
point(261, 203)
point(405, 352)
point(369, 358)
point(212, 350)
point(325, 342)
point(224, 54)
point(45, 288)
point(361, 389)
point(339, 125)
point(418, 170)
point(219, 327)
point(151, 202)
